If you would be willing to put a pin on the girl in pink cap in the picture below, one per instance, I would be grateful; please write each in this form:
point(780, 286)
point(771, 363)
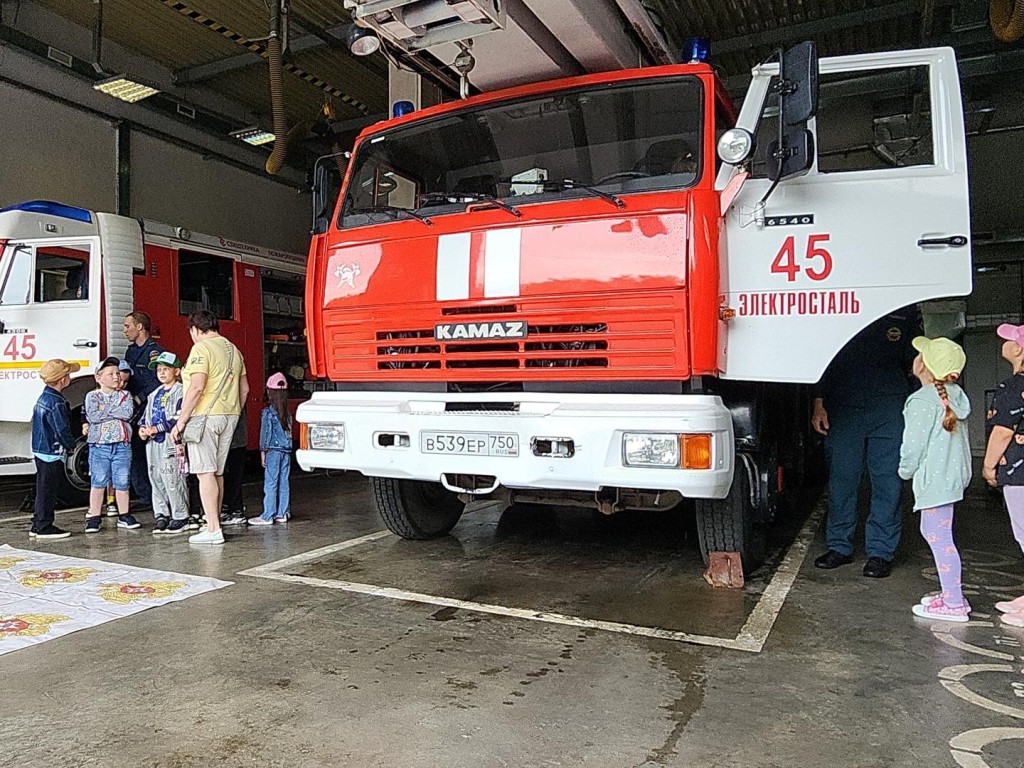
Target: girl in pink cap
point(276, 453)
point(1003, 465)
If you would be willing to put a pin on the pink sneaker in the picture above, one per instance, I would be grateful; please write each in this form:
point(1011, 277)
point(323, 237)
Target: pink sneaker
point(1011, 606)
point(939, 611)
point(937, 596)
point(1013, 619)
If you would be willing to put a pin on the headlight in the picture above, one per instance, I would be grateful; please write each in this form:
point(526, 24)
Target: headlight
point(647, 450)
point(327, 437)
point(687, 451)
point(735, 146)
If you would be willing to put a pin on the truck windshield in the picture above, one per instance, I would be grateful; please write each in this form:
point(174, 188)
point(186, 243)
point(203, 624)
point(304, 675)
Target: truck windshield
point(624, 138)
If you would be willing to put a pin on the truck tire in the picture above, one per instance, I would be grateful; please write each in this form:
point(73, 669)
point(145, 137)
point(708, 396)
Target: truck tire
point(729, 525)
point(73, 490)
point(414, 509)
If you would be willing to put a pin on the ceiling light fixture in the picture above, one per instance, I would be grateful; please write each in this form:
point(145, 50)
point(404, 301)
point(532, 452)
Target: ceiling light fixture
point(124, 88)
point(253, 135)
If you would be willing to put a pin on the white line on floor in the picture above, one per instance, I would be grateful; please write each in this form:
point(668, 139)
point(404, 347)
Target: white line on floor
point(751, 637)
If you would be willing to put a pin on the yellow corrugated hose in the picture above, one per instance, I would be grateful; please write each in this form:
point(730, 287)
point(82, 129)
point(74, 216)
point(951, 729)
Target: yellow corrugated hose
point(1007, 19)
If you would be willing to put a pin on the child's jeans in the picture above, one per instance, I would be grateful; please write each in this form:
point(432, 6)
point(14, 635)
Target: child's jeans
point(47, 478)
point(276, 493)
point(110, 464)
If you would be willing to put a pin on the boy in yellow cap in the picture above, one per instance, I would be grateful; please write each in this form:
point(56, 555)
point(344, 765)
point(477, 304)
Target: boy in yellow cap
point(936, 454)
point(51, 441)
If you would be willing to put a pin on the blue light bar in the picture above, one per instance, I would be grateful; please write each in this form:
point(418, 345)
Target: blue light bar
point(696, 49)
point(402, 108)
point(52, 209)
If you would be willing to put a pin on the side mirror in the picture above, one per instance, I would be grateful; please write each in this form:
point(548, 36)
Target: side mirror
point(320, 201)
point(792, 153)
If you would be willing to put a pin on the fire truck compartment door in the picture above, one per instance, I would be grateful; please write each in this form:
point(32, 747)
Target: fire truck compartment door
point(880, 222)
point(50, 307)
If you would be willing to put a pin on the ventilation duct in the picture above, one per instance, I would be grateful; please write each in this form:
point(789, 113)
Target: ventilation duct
point(422, 24)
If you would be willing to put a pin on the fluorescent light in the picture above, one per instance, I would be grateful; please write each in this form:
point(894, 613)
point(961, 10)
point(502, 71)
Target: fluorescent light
point(123, 88)
point(253, 135)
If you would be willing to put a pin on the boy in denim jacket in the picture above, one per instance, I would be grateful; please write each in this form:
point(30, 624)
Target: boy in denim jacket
point(109, 411)
point(51, 441)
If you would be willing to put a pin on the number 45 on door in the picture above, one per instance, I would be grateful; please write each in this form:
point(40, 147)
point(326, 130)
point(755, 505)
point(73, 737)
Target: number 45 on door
point(21, 347)
point(817, 260)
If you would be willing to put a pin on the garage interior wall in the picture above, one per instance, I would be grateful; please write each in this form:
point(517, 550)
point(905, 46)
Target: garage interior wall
point(53, 151)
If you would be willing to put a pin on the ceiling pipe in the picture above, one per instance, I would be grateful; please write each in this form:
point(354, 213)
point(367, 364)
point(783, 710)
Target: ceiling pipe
point(1007, 19)
point(275, 55)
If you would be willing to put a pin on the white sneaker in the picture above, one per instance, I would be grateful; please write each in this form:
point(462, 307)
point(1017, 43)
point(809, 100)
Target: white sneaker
point(1011, 606)
point(260, 521)
point(206, 537)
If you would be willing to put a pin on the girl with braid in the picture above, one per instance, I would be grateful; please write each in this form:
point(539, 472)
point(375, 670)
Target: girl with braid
point(936, 455)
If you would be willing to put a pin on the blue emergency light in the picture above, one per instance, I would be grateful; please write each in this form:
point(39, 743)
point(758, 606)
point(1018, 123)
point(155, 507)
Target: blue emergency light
point(696, 50)
point(402, 108)
point(52, 209)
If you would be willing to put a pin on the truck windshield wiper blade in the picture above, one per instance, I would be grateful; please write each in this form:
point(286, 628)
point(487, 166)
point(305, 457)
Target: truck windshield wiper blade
point(563, 184)
point(461, 197)
point(395, 210)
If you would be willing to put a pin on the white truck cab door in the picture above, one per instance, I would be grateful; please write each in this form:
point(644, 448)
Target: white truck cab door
point(49, 307)
point(880, 222)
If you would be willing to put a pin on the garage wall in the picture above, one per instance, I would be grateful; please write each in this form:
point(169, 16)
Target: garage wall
point(52, 151)
point(181, 187)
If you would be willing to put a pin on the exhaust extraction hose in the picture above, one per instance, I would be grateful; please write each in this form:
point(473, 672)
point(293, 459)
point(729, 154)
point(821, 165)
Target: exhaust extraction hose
point(1007, 19)
point(274, 54)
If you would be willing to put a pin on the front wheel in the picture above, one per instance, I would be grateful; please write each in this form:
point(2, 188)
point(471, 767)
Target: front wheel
point(414, 509)
point(73, 490)
point(729, 525)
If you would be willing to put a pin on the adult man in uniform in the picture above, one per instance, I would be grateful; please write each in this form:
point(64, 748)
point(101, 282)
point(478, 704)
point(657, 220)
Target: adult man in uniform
point(142, 349)
point(859, 409)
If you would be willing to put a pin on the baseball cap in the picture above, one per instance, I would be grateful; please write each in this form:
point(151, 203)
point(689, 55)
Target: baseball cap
point(1014, 333)
point(125, 366)
point(941, 356)
point(107, 363)
point(277, 381)
point(54, 370)
point(165, 358)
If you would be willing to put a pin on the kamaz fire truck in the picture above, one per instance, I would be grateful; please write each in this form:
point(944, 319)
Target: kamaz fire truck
point(562, 293)
point(68, 277)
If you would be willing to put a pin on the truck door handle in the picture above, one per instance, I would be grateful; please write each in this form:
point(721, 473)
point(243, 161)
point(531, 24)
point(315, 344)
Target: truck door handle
point(953, 241)
point(85, 343)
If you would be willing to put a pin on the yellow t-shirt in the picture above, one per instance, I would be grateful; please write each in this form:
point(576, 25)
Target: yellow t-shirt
point(210, 356)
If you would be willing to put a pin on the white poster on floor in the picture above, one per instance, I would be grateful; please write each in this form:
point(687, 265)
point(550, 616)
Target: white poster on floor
point(43, 596)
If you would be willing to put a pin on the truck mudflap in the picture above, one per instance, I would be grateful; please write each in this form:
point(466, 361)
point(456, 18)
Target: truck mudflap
point(475, 442)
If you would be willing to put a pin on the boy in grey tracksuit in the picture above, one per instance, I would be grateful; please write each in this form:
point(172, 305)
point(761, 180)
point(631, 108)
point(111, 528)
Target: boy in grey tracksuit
point(170, 493)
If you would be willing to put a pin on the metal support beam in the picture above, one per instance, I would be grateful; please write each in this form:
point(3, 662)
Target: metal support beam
point(812, 29)
point(123, 155)
point(528, 21)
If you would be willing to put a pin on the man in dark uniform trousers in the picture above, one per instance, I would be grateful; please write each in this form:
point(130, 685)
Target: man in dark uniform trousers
point(859, 409)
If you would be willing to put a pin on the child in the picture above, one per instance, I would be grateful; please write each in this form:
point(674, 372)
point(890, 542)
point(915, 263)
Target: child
point(109, 410)
point(51, 440)
point(937, 455)
point(1005, 452)
point(170, 494)
point(275, 453)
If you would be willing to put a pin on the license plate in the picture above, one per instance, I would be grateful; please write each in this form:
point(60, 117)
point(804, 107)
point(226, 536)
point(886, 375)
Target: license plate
point(470, 443)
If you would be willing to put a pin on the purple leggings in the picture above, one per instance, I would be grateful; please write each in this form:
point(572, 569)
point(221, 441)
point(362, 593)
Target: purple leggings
point(1014, 497)
point(937, 529)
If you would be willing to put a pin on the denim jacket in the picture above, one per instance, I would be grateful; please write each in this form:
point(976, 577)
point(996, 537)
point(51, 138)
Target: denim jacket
point(51, 425)
point(272, 436)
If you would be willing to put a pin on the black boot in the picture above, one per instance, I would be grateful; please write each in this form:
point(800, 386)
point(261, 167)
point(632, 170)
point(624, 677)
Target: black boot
point(832, 559)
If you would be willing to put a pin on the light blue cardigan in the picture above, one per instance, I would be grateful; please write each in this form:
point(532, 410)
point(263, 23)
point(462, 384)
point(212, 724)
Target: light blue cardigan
point(938, 461)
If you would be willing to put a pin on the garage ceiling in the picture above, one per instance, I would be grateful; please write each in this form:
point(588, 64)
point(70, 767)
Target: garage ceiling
point(209, 51)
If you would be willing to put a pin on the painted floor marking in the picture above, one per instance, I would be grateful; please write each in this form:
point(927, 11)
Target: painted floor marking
point(751, 638)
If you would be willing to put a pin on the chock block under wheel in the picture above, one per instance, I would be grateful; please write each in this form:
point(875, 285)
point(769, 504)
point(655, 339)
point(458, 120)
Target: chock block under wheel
point(725, 569)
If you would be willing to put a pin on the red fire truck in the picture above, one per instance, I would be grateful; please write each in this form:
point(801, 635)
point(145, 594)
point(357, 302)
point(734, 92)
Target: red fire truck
point(562, 293)
point(69, 276)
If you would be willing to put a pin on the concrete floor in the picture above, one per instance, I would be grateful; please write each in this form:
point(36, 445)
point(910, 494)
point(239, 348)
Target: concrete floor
point(268, 673)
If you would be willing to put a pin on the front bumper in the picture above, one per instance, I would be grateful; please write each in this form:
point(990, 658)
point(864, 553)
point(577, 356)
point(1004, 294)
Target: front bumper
point(594, 422)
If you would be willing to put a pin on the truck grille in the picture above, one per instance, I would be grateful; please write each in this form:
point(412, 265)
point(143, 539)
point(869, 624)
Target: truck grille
point(611, 337)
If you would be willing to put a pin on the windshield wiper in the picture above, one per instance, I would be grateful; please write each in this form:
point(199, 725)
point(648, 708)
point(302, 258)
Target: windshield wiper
point(462, 197)
point(563, 184)
point(392, 209)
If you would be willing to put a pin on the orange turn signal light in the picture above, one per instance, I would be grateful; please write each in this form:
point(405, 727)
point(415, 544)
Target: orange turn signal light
point(695, 451)
point(303, 436)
